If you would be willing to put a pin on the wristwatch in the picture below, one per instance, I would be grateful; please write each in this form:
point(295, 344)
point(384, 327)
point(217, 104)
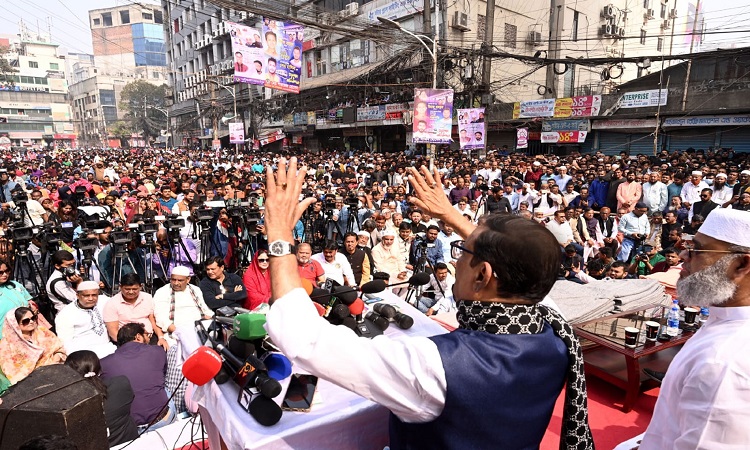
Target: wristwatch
point(280, 248)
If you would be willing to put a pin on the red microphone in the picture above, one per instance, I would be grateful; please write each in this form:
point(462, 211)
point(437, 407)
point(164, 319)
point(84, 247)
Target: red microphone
point(356, 309)
point(202, 365)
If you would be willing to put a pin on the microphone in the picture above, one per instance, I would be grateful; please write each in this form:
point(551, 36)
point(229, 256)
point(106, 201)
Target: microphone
point(279, 366)
point(385, 310)
point(418, 279)
point(252, 372)
point(404, 321)
point(356, 309)
point(202, 365)
point(264, 410)
point(371, 287)
point(379, 321)
point(249, 327)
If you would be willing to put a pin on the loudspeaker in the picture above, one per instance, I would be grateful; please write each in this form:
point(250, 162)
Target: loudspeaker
point(53, 400)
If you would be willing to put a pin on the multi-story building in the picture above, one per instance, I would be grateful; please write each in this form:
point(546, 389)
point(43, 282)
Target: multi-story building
point(34, 110)
point(95, 108)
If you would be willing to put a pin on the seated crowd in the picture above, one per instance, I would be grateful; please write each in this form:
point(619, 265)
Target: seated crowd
point(615, 218)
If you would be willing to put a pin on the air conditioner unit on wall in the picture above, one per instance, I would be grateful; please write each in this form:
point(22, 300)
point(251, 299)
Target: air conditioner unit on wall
point(460, 21)
point(534, 38)
point(649, 14)
point(352, 8)
point(621, 32)
point(608, 30)
point(665, 25)
point(673, 14)
point(609, 11)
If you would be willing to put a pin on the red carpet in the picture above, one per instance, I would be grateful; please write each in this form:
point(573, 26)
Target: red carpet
point(609, 424)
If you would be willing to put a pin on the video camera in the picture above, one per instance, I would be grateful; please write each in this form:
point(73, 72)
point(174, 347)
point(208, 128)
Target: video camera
point(85, 244)
point(120, 236)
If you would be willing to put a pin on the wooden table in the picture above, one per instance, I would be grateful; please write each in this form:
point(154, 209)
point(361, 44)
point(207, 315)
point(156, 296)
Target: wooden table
point(606, 356)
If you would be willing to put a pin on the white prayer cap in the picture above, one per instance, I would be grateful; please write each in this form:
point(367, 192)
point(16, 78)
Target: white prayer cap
point(745, 172)
point(728, 225)
point(537, 163)
point(389, 232)
point(615, 166)
point(696, 172)
point(720, 175)
point(181, 271)
point(363, 233)
point(87, 286)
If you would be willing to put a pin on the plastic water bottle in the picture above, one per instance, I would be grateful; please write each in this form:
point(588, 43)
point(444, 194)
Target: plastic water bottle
point(704, 315)
point(673, 319)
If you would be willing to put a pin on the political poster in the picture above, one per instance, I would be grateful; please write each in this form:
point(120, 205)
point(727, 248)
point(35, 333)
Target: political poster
point(582, 106)
point(271, 56)
point(236, 133)
point(522, 138)
point(471, 129)
point(433, 116)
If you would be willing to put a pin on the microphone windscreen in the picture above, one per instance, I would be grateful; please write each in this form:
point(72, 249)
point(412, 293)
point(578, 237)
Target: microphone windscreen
point(357, 307)
point(307, 286)
point(419, 279)
point(403, 321)
point(385, 310)
point(320, 308)
point(373, 287)
point(349, 322)
point(339, 311)
point(267, 386)
point(264, 410)
point(346, 294)
point(223, 376)
point(239, 348)
point(249, 326)
point(201, 366)
point(321, 296)
point(381, 322)
point(278, 365)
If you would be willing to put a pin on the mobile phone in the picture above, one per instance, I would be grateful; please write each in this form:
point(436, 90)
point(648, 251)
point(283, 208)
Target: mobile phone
point(370, 300)
point(300, 393)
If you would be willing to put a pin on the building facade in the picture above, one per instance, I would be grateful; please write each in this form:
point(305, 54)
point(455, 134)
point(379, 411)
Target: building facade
point(34, 109)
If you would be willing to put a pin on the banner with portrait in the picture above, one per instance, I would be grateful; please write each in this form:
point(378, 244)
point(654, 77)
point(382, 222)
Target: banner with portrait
point(271, 56)
point(433, 116)
point(471, 131)
point(236, 133)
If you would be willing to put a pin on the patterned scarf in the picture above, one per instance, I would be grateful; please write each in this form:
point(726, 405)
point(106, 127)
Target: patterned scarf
point(499, 318)
point(97, 323)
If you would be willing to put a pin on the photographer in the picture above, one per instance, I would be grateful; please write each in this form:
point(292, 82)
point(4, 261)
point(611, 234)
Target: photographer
point(645, 260)
point(132, 261)
point(6, 187)
point(62, 283)
point(169, 255)
point(431, 248)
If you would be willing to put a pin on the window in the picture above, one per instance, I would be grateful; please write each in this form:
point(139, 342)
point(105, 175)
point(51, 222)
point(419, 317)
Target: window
point(647, 4)
point(643, 37)
point(511, 34)
point(147, 16)
point(97, 22)
point(575, 26)
point(481, 25)
point(107, 19)
point(155, 75)
point(663, 12)
point(176, 25)
point(125, 17)
point(659, 44)
point(54, 66)
point(33, 64)
point(158, 16)
point(640, 72)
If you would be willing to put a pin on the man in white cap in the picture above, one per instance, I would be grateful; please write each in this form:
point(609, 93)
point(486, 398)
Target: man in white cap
point(691, 191)
point(705, 397)
point(722, 193)
point(80, 324)
point(179, 304)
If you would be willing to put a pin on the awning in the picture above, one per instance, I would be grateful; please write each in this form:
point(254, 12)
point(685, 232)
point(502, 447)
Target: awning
point(25, 134)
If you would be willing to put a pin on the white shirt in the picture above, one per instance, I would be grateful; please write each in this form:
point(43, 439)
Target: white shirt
point(75, 329)
point(655, 196)
point(36, 212)
point(185, 310)
point(722, 195)
point(691, 193)
point(336, 270)
point(562, 231)
point(403, 374)
point(704, 401)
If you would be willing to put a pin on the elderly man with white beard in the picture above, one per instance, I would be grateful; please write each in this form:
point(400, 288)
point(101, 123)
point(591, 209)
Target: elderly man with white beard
point(704, 401)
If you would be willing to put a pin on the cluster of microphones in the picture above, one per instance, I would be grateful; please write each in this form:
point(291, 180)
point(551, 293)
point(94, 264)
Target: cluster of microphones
point(235, 346)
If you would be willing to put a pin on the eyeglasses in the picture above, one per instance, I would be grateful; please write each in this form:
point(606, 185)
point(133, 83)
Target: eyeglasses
point(691, 250)
point(262, 260)
point(458, 249)
point(5, 272)
point(28, 320)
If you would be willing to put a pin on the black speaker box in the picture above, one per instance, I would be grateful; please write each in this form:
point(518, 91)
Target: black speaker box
point(53, 400)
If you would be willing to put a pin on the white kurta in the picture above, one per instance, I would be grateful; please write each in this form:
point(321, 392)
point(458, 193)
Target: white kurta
point(185, 310)
point(75, 329)
point(704, 401)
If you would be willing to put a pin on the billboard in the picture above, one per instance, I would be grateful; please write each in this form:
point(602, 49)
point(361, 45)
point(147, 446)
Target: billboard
point(271, 56)
point(471, 129)
point(582, 106)
point(433, 116)
point(236, 133)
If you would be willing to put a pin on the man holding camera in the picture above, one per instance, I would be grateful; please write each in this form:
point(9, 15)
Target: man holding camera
point(62, 283)
point(635, 227)
point(429, 248)
point(645, 260)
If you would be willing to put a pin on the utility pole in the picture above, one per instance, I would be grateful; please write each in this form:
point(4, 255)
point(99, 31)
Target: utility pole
point(690, 61)
point(555, 28)
point(489, 34)
point(427, 18)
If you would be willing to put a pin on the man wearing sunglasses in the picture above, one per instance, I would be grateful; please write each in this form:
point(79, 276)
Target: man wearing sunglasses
point(704, 206)
point(704, 400)
point(494, 381)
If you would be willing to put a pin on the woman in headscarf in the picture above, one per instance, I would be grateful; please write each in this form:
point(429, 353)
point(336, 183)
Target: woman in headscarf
point(27, 344)
point(257, 281)
point(66, 217)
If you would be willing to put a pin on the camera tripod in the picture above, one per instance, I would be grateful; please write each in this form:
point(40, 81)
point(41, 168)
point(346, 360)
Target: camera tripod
point(28, 273)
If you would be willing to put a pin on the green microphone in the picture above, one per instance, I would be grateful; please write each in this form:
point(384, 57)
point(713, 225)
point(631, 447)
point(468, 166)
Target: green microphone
point(249, 326)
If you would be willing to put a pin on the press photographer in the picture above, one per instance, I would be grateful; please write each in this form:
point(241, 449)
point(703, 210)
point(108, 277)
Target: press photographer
point(62, 283)
point(171, 251)
point(644, 261)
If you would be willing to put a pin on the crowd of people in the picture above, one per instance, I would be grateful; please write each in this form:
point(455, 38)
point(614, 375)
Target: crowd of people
point(118, 289)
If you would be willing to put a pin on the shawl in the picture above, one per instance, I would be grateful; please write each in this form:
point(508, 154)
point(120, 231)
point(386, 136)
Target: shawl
point(19, 357)
point(257, 284)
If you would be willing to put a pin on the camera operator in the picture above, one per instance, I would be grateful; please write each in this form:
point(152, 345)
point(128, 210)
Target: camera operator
point(221, 288)
point(497, 202)
point(430, 246)
point(131, 263)
point(645, 260)
point(6, 187)
point(62, 283)
point(36, 214)
point(168, 256)
point(635, 227)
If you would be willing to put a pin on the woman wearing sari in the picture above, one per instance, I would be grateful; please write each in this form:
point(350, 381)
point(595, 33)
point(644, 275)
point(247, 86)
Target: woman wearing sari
point(257, 281)
point(27, 344)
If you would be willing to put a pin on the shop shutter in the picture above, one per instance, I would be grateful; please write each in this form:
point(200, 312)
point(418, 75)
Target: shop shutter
point(611, 143)
point(699, 138)
point(737, 138)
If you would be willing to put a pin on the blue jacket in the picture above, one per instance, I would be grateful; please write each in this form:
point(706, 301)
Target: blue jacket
point(599, 190)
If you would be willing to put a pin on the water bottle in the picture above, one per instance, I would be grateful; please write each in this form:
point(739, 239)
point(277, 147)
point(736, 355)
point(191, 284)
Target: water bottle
point(704, 315)
point(673, 319)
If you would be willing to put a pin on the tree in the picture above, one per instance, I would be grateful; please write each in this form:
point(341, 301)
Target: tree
point(140, 100)
point(6, 69)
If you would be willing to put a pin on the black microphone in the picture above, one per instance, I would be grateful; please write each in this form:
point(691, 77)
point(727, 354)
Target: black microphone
point(418, 279)
point(264, 410)
point(404, 321)
point(385, 310)
point(251, 370)
point(379, 321)
point(345, 292)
